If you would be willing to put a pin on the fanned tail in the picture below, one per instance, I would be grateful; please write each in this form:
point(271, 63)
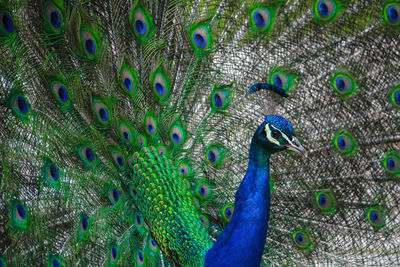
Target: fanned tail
point(115, 112)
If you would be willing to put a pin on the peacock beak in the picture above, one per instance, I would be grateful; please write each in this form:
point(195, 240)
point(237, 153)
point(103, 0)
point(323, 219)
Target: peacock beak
point(295, 146)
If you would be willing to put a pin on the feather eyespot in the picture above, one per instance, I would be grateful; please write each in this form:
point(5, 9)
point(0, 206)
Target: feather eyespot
point(153, 244)
point(51, 174)
point(113, 254)
point(54, 16)
point(201, 38)
point(376, 217)
point(175, 138)
point(391, 14)
point(397, 97)
point(323, 202)
point(160, 86)
point(125, 132)
point(128, 84)
point(260, 19)
point(325, 10)
point(138, 220)
point(60, 92)
point(185, 169)
point(302, 239)
point(212, 155)
point(102, 112)
point(20, 105)
point(113, 195)
point(215, 155)
point(220, 99)
point(177, 135)
point(142, 23)
point(204, 221)
point(282, 79)
point(6, 24)
point(391, 163)
point(227, 212)
point(345, 143)
point(203, 190)
point(140, 258)
point(119, 160)
point(326, 202)
point(55, 263)
point(151, 126)
point(394, 97)
point(89, 43)
point(126, 135)
point(19, 214)
point(84, 224)
point(344, 84)
point(129, 79)
point(141, 141)
point(55, 19)
point(89, 155)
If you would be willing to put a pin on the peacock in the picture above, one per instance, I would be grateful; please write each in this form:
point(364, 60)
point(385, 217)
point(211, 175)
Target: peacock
point(199, 133)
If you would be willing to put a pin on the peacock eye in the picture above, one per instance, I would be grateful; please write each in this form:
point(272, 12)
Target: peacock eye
point(276, 134)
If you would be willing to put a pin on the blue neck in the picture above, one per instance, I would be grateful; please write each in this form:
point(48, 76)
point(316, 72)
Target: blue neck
point(243, 240)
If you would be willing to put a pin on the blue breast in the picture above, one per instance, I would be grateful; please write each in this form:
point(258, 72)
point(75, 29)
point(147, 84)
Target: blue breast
point(243, 240)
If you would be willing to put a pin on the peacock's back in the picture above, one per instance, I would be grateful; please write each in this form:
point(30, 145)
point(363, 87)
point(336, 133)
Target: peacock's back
point(126, 127)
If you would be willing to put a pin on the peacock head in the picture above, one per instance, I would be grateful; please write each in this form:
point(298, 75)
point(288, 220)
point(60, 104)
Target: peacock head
point(277, 134)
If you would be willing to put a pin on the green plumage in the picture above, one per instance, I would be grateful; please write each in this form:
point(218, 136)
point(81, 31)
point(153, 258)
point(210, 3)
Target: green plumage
point(125, 129)
point(178, 230)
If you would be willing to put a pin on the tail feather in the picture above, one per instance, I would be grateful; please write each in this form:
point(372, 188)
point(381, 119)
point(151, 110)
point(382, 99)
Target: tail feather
point(83, 92)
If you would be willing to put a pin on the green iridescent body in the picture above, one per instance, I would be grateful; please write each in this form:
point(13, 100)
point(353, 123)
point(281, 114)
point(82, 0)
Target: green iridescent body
point(167, 205)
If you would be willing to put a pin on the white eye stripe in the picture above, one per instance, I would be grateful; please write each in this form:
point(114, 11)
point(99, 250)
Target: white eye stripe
point(269, 137)
point(273, 140)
